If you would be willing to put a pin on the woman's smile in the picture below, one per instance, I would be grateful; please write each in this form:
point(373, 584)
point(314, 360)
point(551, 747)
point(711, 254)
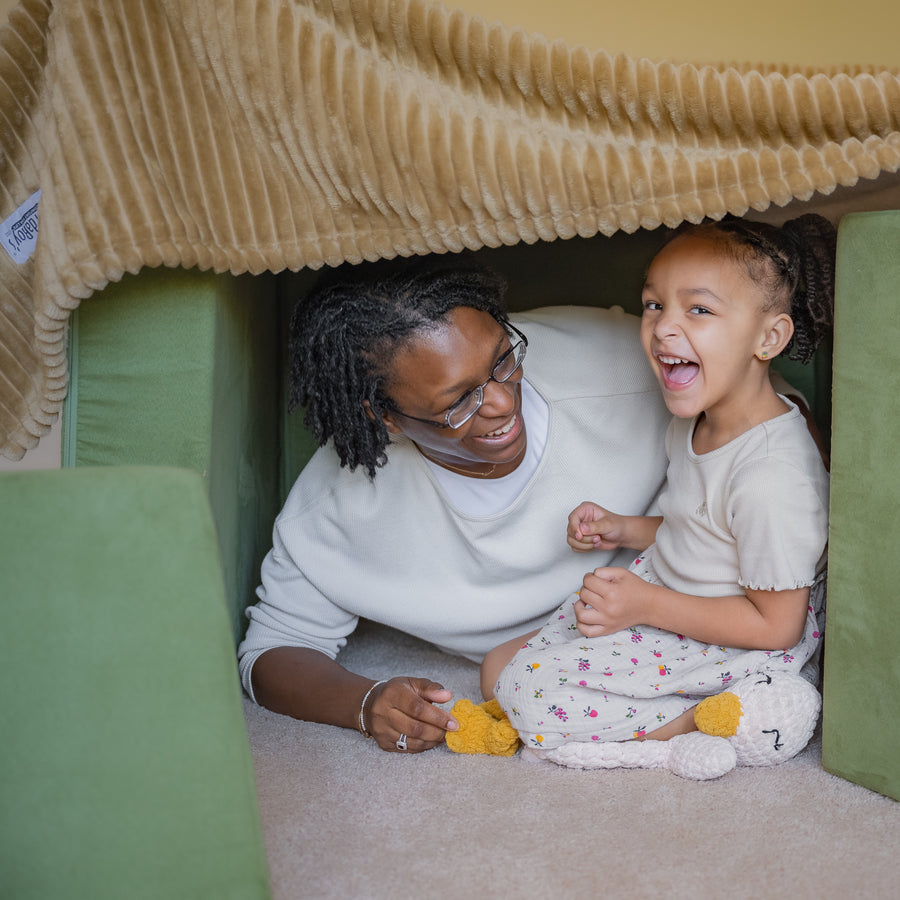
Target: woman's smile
point(444, 364)
point(504, 430)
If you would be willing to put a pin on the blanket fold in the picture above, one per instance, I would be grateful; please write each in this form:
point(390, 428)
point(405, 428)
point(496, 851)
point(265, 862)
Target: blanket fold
point(253, 135)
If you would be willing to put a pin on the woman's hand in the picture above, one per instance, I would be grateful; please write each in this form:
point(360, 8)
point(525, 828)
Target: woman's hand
point(611, 599)
point(405, 707)
point(308, 685)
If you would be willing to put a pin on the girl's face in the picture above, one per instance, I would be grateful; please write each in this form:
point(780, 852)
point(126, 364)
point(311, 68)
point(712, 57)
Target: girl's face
point(705, 332)
point(436, 370)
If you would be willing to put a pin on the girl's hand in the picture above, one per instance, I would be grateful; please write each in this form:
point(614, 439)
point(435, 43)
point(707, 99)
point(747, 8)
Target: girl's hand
point(591, 527)
point(611, 599)
point(405, 706)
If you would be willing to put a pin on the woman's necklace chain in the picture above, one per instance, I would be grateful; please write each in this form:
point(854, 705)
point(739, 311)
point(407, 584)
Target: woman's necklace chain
point(467, 472)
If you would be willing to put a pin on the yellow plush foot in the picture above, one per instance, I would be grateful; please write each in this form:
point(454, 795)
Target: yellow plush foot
point(482, 729)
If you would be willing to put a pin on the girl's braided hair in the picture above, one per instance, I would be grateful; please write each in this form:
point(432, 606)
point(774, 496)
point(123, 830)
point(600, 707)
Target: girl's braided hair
point(345, 333)
point(794, 265)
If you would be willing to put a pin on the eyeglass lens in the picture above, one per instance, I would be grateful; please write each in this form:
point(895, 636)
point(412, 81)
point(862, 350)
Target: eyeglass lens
point(506, 366)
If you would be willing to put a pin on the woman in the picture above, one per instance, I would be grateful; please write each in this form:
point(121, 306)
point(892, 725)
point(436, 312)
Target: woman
point(439, 506)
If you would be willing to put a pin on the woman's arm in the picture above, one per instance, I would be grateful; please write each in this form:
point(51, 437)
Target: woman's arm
point(613, 599)
point(308, 685)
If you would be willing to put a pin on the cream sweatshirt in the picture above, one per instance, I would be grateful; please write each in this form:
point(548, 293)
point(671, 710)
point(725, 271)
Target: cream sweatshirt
point(395, 550)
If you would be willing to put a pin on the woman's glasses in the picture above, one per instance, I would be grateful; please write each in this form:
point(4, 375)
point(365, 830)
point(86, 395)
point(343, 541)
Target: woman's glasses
point(470, 402)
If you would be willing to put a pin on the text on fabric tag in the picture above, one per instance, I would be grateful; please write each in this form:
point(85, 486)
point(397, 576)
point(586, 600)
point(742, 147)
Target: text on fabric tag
point(18, 232)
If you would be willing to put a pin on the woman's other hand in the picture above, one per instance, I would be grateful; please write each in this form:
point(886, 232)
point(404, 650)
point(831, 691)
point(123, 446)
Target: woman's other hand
point(403, 710)
point(308, 685)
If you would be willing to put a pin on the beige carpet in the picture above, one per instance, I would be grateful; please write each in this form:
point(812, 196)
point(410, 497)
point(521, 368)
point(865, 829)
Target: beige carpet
point(343, 819)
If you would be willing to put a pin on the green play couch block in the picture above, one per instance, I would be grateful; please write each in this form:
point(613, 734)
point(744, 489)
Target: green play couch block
point(126, 765)
point(175, 367)
point(861, 726)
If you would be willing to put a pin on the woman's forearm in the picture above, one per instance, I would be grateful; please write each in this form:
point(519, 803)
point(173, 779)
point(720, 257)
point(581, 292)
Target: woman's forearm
point(308, 685)
point(400, 713)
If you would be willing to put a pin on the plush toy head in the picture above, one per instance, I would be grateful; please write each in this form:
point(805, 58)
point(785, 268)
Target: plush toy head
point(484, 728)
point(766, 719)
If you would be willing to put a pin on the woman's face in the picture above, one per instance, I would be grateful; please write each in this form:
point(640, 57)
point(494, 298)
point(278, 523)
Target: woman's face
point(436, 370)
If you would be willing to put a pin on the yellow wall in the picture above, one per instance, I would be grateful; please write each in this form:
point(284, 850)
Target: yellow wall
point(795, 32)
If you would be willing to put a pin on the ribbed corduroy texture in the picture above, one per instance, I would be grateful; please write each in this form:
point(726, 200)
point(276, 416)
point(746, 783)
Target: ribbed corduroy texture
point(247, 135)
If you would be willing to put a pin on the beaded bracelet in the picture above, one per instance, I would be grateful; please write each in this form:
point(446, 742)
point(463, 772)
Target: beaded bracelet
point(362, 709)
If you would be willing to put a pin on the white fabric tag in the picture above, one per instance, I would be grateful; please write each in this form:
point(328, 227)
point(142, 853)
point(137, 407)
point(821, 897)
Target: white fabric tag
point(18, 233)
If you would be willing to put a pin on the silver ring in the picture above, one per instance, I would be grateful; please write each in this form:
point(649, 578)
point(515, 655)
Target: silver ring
point(401, 742)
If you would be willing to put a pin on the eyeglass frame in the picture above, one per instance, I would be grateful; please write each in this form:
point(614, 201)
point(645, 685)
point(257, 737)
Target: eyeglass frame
point(522, 342)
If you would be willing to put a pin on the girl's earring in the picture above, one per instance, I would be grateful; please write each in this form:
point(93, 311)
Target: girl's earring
point(765, 354)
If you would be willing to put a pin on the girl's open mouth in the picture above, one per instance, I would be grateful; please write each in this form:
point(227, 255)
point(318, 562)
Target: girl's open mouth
point(677, 372)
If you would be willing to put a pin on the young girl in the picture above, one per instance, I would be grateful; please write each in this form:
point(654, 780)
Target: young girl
point(730, 577)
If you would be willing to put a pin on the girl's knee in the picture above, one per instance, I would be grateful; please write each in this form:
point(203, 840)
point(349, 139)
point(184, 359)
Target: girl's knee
point(496, 660)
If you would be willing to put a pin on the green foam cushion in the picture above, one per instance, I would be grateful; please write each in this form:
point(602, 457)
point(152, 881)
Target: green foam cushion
point(861, 677)
point(126, 765)
point(175, 367)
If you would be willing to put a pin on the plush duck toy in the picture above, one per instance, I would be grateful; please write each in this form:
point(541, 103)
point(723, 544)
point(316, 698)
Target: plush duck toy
point(761, 721)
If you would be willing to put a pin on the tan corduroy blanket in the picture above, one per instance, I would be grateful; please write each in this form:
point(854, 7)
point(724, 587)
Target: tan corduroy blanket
point(247, 135)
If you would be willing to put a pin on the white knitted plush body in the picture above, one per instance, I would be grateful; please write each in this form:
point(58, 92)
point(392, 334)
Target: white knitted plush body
point(762, 721)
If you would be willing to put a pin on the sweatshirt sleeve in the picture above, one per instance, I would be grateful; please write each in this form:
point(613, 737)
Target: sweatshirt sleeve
point(291, 611)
